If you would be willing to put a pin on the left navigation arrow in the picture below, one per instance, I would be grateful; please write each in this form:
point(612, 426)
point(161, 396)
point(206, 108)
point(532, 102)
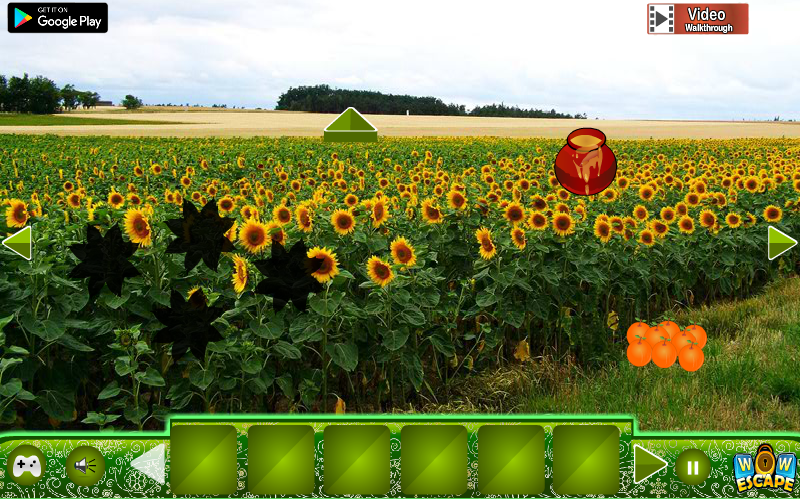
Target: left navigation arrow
point(21, 243)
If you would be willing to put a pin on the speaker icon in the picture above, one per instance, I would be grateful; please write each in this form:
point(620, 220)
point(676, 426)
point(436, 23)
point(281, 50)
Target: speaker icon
point(83, 466)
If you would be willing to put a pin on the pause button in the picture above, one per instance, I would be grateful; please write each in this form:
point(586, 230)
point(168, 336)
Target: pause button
point(693, 467)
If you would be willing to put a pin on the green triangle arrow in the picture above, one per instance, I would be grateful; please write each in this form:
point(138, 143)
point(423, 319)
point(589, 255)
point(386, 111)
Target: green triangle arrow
point(778, 243)
point(21, 243)
point(350, 126)
point(645, 463)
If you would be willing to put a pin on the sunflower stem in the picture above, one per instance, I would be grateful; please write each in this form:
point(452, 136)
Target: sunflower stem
point(325, 354)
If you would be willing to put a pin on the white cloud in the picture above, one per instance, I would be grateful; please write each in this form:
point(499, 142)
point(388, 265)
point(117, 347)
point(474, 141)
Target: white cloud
point(579, 56)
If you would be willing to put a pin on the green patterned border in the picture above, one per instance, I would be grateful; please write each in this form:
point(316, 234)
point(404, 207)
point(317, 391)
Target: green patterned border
point(121, 480)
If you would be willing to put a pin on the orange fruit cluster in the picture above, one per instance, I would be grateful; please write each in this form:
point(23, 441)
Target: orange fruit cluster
point(665, 343)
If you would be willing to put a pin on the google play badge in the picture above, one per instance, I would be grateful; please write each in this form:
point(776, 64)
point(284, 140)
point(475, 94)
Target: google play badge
point(20, 18)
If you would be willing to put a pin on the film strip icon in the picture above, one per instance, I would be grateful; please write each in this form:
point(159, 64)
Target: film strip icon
point(661, 19)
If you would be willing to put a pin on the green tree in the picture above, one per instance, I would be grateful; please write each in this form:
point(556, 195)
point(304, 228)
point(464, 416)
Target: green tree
point(88, 99)
point(3, 93)
point(131, 102)
point(45, 97)
point(69, 96)
point(19, 98)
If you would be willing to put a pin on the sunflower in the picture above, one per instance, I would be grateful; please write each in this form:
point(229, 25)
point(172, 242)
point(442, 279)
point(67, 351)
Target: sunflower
point(514, 213)
point(609, 195)
point(379, 271)
point(231, 234)
point(751, 220)
point(343, 222)
point(772, 213)
point(137, 227)
point(646, 237)
point(156, 169)
point(351, 200)
point(681, 209)
point(668, 214)
point(646, 193)
point(431, 212)
point(379, 213)
point(752, 184)
point(329, 267)
point(692, 199)
point(403, 252)
point(304, 218)
point(253, 236)
point(538, 203)
point(733, 220)
point(518, 238)
point(16, 213)
point(276, 233)
point(247, 212)
point(487, 247)
point(660, 228)
point(602, 230)
point(708, 219)
point(186, 181)
point(281, 214)
point(563, 224)
point(74, 200)
point(116, 200)
point(226, 205)
point(641, 213)
point(581, 211)
point(686, 224)
point(240, 273)
point(192, 292)
point(68, 186)
point(456, 200)
point(537, 221)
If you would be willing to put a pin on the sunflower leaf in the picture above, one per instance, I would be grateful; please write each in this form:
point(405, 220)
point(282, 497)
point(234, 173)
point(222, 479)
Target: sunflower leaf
point(394, 339)
point(413, 367)
point(344, 355)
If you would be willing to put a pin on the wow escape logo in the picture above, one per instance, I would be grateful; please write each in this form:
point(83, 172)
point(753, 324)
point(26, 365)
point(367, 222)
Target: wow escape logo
point(58, 17)
point(766, 470)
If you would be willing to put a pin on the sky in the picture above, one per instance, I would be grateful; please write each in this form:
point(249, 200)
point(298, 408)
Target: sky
point(583, 56)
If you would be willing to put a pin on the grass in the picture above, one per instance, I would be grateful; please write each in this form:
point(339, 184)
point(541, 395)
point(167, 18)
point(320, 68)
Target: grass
point(53, 120)
point(749, 380)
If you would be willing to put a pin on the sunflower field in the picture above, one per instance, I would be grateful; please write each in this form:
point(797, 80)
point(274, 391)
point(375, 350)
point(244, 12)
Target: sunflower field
point(433, 258)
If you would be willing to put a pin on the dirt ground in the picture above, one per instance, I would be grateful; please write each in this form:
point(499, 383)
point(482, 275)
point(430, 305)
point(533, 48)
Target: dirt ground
point(199, 123)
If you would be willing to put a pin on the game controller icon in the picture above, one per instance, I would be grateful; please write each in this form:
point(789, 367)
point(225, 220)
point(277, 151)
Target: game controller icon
point(27, 465)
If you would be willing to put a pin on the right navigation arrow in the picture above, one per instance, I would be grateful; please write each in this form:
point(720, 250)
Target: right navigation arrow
point(778, 243)
point(151, 463)
point(645, 463)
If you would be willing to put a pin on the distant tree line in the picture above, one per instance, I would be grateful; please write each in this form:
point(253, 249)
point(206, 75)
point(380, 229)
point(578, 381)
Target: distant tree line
point(501, 110)
point(41, 95)
point(324, 99)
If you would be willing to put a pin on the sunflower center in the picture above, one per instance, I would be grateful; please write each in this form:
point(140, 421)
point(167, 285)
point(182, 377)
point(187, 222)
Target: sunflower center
point(326, 265)
point(255, 237)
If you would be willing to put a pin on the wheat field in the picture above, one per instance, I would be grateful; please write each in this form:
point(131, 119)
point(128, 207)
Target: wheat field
point(228, 123)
